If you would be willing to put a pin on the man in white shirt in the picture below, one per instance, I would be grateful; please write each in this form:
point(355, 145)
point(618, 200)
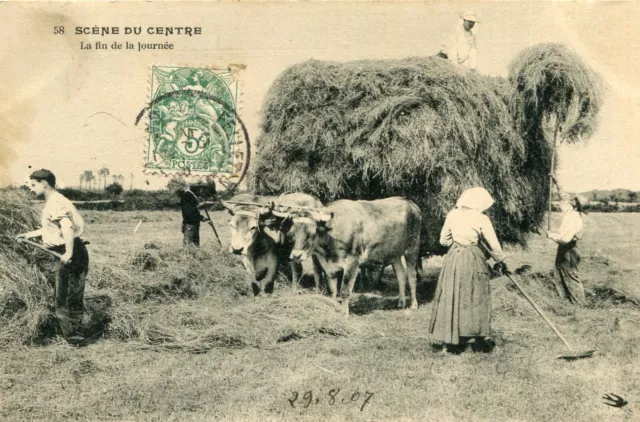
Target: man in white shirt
point(568, 256)
point(462, 47)
point(61, 229)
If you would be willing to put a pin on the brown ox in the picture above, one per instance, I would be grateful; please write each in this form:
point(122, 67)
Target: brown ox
point(260, 243)
point(348, 234)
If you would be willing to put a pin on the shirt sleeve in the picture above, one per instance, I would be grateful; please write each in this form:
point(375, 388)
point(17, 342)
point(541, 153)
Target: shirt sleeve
point(446, 239)
point(571, 225)
point(490, 236)
point(58, 212)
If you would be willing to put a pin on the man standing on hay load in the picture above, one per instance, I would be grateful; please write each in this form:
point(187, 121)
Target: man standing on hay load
point(568, 256)
point(462, 51)
point(461, 313)
point(191, 217)
point(61, 229)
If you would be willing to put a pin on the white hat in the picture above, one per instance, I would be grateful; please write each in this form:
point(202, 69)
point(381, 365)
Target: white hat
point(470, 15)
point(477, 198)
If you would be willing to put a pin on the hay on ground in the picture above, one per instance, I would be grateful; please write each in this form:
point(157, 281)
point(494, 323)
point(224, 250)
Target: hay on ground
point(263, 322)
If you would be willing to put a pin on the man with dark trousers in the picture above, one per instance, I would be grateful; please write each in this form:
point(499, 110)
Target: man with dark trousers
point(61, 229)
point(191, 217)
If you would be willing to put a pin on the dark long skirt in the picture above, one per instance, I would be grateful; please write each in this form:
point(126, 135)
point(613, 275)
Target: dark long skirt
point(569, 285)
point(462, 302)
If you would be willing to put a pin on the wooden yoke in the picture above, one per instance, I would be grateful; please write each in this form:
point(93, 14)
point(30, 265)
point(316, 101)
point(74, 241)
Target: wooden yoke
point(273, 206)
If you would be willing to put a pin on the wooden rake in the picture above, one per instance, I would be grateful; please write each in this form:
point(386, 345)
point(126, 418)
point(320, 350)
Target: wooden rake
point(572, 354)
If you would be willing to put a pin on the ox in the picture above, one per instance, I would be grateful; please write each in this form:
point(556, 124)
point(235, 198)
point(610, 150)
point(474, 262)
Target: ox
point(348, 234)
point(261, 245)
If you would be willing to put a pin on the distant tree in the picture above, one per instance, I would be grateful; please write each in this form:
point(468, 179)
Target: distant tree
point(633, 196)
point(130, 181)
point(81, 179)
point(88, 178)
point(118, 178)
point(594, 196)
point(103, 173)
point(114, 189)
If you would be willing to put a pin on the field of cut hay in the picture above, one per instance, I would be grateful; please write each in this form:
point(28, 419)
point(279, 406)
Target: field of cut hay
point(177, 336)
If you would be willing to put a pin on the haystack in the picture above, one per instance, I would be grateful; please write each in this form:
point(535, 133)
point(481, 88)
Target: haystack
point(24, 286)
point(423, 129)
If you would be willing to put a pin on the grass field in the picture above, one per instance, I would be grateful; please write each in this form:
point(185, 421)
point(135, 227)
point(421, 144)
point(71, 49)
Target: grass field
point(382, 368)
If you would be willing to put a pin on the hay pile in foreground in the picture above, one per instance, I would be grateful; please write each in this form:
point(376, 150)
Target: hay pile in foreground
point(27, 281)
point(24, 285)
point(423, 129)
point(197, 327)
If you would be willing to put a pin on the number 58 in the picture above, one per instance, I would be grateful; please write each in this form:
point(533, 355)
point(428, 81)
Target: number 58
point(58, 30)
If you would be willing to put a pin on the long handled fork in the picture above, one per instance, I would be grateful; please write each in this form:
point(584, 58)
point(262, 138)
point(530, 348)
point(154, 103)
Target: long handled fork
point(572, 354)
point(41, 247)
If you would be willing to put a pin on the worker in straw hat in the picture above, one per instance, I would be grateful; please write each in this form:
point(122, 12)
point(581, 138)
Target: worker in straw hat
point(61, 229)
point(568, 257)
point(462, 47)
point(461, 312)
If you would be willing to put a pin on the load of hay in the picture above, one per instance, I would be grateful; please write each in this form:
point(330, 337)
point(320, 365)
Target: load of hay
point(423, 129)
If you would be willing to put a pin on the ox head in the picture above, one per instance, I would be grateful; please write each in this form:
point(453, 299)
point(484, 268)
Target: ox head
point(305, 229)
point(246, 225)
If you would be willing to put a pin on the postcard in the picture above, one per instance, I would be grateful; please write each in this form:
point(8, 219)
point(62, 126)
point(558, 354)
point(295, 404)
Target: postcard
point(319, 210)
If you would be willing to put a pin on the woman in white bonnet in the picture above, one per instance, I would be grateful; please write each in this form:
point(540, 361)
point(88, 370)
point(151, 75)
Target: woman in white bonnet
point(462, 303)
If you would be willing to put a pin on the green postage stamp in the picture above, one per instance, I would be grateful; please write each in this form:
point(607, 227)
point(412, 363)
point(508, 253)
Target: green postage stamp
point(192, 120)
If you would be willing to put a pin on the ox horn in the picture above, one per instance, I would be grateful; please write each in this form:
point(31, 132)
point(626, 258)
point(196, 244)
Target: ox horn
point(323, 217)
point(264, 211)
point(228, 207)
point(281, 214)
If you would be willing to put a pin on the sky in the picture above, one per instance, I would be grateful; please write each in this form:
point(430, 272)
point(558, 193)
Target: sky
point(71, 110)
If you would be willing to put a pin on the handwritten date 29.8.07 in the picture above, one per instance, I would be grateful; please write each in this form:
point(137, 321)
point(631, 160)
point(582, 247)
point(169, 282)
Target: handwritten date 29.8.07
point(333, 397)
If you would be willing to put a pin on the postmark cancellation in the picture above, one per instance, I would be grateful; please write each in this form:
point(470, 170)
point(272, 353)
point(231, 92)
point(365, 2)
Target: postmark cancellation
point(193, 126)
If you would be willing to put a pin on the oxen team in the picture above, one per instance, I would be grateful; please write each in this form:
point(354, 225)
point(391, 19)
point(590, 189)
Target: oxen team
point(338, 237)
